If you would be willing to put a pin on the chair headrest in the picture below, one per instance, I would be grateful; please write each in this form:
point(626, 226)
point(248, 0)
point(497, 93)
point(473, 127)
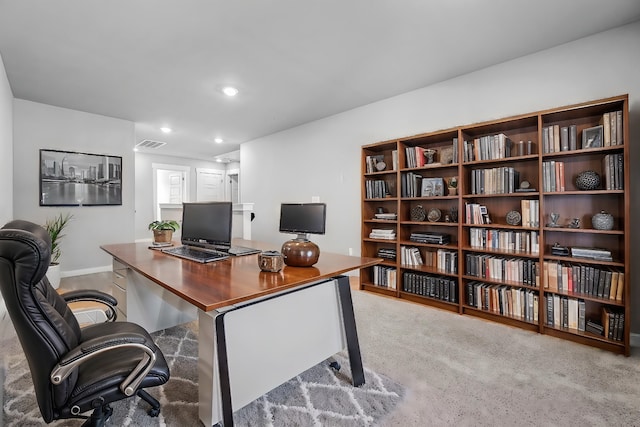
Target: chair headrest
point(26, 243)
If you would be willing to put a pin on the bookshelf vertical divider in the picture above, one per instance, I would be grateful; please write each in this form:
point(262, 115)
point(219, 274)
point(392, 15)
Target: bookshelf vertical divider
point(522, 221)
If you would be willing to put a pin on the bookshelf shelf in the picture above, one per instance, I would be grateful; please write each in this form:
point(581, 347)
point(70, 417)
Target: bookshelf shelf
point(492, 162)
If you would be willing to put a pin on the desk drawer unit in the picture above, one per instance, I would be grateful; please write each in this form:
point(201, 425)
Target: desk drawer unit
point(119, 288)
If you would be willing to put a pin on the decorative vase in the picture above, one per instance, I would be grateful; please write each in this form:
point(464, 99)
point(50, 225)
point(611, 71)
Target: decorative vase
point(588, 180)
point(300, 253)
point(602, 221)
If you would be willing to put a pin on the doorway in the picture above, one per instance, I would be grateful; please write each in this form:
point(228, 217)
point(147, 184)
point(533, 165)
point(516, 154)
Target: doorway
point(170, 190)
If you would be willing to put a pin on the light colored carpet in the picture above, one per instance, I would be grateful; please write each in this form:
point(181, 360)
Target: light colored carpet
point(320, 396)
point(466, 371)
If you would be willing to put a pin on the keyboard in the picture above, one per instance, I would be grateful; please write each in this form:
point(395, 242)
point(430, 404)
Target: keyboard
point(197, 255)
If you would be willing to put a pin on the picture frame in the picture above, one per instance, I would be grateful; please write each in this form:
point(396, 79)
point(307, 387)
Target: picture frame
point(593, 137)
point(432, 187)
point(69, 178)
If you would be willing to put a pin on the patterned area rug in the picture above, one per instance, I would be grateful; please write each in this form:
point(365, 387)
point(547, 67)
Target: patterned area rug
point(321, 396)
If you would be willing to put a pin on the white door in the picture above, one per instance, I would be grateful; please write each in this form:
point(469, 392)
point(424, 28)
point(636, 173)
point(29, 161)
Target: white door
point(209, 185)
point(175, 187)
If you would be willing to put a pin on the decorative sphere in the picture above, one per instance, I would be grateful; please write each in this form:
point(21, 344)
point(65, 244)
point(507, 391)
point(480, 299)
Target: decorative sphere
point(588, 180)
point(602, 221)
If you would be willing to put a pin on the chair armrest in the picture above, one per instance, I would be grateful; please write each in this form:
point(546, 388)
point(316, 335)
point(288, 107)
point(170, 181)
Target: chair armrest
point(91, 295)
point(96, 346)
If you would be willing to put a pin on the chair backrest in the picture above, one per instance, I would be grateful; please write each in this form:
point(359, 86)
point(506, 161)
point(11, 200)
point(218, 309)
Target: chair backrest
point(44, 323)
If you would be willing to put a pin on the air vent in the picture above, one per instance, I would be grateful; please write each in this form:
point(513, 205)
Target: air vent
point(147, 143)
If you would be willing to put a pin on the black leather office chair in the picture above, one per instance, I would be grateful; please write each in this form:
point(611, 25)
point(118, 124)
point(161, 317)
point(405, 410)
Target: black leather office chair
point(74, 369)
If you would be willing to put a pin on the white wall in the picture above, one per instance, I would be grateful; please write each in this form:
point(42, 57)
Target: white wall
point(323, 158)
point(39, 126)
point(144, 186)
point(6, 148)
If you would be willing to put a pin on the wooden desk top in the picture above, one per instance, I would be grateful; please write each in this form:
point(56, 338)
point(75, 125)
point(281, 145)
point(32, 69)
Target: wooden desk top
point(230, 281)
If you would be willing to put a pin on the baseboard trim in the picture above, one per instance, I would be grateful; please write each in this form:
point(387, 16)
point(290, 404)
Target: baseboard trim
point(82, 272)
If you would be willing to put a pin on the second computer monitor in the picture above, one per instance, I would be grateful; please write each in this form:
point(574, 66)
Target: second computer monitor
point(207, 224)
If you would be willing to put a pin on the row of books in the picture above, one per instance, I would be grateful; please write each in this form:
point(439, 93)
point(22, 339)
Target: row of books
point(530, 212)
point(613, 167)
point(499, 180)
point(415, 185)
point(553, 176)
point(385, 276)
point(441, 259)
point(443, 155)
point(426, 285)
point(518, 303)
point(583, 279)
point(518, 270)
point(377, 188)
point(493, 147)
point(570, 313)
point(612, 128)
point(505, 240)
point(476, 214)
point(565, 312)
point(383, 233)
point(372, 162)
point(556, 138)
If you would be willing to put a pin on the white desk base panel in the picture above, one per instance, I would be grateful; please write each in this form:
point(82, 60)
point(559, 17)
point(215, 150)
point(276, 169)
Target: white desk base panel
point(267, 341)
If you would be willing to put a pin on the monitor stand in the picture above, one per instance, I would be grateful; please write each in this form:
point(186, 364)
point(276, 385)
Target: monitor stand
point(300, 252)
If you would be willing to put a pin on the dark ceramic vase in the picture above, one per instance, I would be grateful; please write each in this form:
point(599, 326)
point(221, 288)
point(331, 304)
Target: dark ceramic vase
point(300, 253)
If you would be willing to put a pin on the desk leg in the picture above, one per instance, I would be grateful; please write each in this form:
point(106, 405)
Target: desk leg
point(223, 371)
point(349, 319)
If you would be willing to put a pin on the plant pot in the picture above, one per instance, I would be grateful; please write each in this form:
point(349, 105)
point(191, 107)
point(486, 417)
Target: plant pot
point(453, 191)
point(162, 236)
point(53, 274)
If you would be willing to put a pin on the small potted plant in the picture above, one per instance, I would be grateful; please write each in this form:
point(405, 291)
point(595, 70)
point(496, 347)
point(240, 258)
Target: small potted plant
point(54, 227)
point(163, 230)
point(453, 185)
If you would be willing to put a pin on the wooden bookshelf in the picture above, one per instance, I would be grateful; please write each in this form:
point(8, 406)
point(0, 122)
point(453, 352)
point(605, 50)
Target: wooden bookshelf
point(483, 250)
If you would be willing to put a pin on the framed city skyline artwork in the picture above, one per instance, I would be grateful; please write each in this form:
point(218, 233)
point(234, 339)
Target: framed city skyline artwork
point(70, 178)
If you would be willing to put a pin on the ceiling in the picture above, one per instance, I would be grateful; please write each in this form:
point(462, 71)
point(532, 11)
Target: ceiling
point(163, 62)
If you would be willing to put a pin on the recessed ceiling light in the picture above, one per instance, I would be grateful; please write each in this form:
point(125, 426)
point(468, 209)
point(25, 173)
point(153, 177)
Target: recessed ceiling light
point(230, 91)
point(219, 160)
point(218, 140)
point(165, 129)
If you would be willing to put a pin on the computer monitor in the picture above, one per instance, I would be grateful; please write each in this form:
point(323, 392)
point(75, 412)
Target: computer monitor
point(207, 224)
point(303, 218)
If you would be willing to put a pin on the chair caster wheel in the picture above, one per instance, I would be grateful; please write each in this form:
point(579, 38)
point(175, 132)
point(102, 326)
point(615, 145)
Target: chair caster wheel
point(335, 365)
point(154, 412)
